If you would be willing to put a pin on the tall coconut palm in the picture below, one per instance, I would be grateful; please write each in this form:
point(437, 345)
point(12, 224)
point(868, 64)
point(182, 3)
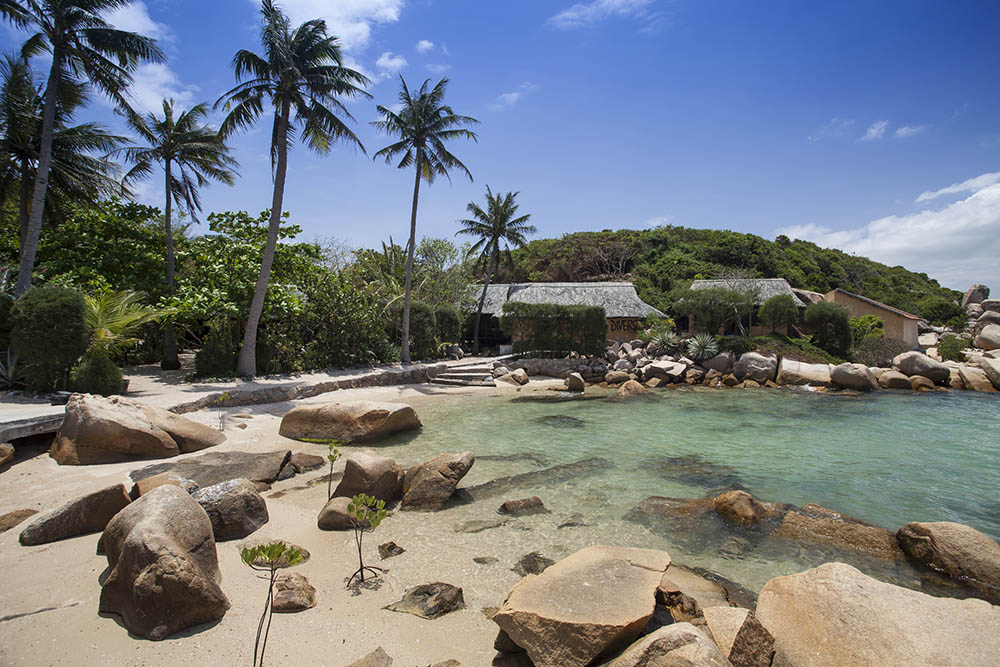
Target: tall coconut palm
point(301, 75)
point(83, 47)
point(80, 170)
point(191, 154)
point(497, 229)
point(423, 123)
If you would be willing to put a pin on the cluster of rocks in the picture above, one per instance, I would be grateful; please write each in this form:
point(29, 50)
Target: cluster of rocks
point(984, 316)
point(626, 607)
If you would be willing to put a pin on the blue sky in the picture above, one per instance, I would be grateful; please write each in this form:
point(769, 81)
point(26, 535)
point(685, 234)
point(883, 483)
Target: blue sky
point(869, 126)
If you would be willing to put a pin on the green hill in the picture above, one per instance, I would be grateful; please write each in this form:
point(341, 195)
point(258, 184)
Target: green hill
point(659, 260)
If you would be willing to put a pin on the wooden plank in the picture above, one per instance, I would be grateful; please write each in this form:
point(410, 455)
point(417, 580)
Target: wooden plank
point(22, 428)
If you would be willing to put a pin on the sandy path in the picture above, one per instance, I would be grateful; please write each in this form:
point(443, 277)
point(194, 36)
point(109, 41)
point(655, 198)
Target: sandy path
point(55, 586)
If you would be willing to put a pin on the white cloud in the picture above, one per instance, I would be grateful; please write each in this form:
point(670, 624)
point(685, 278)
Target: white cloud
point(134, 17)
point(154, 82)
point(350, 21)
point(909, 131)
point(424, 45)
point(957, 244)
point(835, 127)
point(390, 63)
point(876, 130)
point(437, 68)
point(507, 100)
point(658, 221)
point(971, 185)
point(588, 13)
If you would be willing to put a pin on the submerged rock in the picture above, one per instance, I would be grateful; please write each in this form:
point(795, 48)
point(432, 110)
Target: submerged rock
point(562, 618)
point(523, 506)
point(547, 477)
point(815, 523)
point(560, 420)
point(89, 514)
point(355, 421)
point(430, 600)
point(834, 615)
point(696, 471)
point(741, 508)
point(532, 563)
point(429, 485)
point(958, 550)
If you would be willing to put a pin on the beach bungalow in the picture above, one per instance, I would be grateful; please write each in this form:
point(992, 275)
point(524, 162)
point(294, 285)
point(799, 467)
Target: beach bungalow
point(622, 306)
point(897, 324)
point(762, 289)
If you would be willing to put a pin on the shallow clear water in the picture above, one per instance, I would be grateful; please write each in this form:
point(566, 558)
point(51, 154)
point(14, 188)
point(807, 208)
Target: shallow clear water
point(887, 458)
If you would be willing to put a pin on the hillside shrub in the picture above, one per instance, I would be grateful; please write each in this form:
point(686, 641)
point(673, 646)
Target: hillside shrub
point(96, 374)
point(798, 349)
point(779, 311)
point(878, 352)
point(738, 345)
point(941, 311)
point(950, 347)
point(449, 324)
point(341, 324)
point(49, 333)
point(831, 326)
point(713, 308)
point(545, 326)
point(864, 327)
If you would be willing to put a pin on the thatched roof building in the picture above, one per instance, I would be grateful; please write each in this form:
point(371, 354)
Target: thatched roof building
point(763, 288)
point(617, 299)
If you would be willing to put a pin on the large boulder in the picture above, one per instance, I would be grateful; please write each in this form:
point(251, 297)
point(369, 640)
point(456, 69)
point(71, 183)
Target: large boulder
point(958, 550)
point(217, 467)
point(562, 617)
point(918, 363)
point(574, 382)
point(631, 389)
point(671, 371)
point(89, 514)
point(110, 430)
point(975, 295)
point(757, 367)
point(722, 362)
point(989, 337)
point(616, 377)
point(334, 515)
point(853, 376)
point(163, 568)
point(800, 373)
point(986, 318)
point(373, 474)
point(992, 369)
point(834, 615)
point(234, 507)
point(740, 636)
point(355, 421)
point(741, 508)
point(990, 304)
point(686, 594)
point(428, 485)
point(817, 524)
point(975, 379)
point(675, 645)
point(891, 379)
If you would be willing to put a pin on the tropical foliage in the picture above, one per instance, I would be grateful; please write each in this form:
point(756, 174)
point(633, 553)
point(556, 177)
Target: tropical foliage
point(830, 324)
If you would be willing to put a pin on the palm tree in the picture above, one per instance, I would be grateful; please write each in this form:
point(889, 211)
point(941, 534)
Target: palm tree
point(497, 229)
point(81, 43)
point(182, 141)
point(302, 72)
point(76, 174)
point(423, 124)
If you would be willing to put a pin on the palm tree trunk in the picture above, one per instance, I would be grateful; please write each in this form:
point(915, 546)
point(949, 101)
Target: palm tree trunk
point(169, 360)
point(30, 246)
point(246, 364)
point(23, 206)
point(408, 282)
point(482, 301)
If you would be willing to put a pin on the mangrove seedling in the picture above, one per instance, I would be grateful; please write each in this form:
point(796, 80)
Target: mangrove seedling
point(332, 458)
point(268, 558)
point(366, 514)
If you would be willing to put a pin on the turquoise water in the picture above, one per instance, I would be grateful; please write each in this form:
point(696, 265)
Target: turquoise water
point(887, 458)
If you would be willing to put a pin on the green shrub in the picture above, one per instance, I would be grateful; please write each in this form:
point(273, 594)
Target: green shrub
point(6, 303)
point(702, 346)
point(664, 342)
point(341, 324)
point(423, 325)
point(546, 326)
point(779, 311)
point(713, 308)
point(878, 351)
point(96, 374)
point(939, 310)
point(656, 326)
point(449, 324)
point(867, 326)
point(49, 333)
point(798, 349)
point(950, 347)
point(831, 326)
point(738, 345)
point(216, 358)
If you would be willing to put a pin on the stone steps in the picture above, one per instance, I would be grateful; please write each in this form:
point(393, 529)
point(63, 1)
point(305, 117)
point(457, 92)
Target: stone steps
point(466, 376)
point(463, 381)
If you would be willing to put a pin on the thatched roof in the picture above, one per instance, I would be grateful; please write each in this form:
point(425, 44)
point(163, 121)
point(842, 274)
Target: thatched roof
point(617, 299)
point(764, 288)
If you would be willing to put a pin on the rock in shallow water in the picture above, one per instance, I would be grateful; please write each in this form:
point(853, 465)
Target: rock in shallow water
point(429, 485)
point(532, 563)
point(430, 600)
point(815, 523)
point(523, 506)
point(356, 421)
point(958, 550)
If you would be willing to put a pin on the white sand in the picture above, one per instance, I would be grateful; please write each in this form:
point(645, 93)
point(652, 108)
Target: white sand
point(63, 576)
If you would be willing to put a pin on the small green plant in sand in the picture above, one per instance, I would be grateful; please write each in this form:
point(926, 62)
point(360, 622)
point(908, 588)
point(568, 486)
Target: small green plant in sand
point(332, 458)
point(268, 558)
point(366, 514)
point(217, 402)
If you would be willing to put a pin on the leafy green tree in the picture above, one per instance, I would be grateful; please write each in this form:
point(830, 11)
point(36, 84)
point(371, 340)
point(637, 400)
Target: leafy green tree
point(301, 76)
point(49, 333)
point(951, 347)
point(423, 125)
point(830, 323)
point(76, 173)
point(864, 327)
point(115, 318)
point(496, 230)
point(941, 311)
point(713, 308)
point(779, 311)
point(84, 48)
point(191, 154)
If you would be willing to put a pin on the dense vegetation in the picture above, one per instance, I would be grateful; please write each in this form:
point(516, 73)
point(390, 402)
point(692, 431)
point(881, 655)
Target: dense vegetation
point(548, 327)
point(662, 259)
